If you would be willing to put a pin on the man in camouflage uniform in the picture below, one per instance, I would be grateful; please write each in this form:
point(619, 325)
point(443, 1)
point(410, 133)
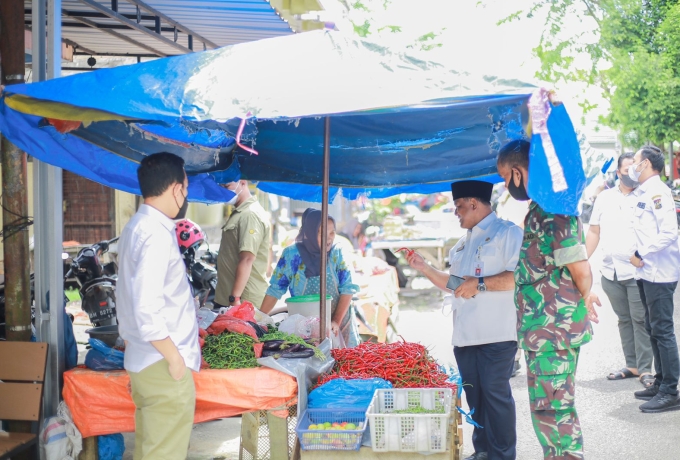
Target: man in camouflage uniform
point(553, 281)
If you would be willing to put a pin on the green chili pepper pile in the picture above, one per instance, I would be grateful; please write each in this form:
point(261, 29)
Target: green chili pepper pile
point(229, 350)
point(290, 338)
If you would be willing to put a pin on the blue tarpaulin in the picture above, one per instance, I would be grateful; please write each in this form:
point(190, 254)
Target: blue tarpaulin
point(398, 124)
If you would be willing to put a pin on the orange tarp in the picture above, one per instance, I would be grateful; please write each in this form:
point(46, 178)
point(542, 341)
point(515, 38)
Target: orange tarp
point(100, 402)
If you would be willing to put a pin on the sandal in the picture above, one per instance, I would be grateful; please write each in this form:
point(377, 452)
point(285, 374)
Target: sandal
point(623, 373)
point(647, 380)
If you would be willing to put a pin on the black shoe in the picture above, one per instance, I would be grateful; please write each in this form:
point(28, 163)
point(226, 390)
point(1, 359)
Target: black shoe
point(515, 370)
point(662, 402)
point(478, 456)
point(647, 394)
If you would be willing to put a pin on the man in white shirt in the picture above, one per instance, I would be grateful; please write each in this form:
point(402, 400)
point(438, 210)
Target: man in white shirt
point(611, 224)
point(485, 317)
point(657, 259)
point(156, 313)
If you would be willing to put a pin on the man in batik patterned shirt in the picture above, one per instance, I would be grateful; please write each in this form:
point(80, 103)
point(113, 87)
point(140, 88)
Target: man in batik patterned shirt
point(554, 310)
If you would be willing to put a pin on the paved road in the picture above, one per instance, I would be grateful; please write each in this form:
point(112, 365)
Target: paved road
point(613, 426)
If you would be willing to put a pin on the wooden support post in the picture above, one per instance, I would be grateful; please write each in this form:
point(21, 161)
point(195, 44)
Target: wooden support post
point(14, 185)
point(457, 433)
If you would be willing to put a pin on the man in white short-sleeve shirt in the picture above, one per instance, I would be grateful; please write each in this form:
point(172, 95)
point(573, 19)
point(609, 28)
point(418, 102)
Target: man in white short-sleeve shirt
point(484, 315)
point(611, 227)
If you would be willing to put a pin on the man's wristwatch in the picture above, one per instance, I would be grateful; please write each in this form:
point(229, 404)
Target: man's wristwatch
point(233, 299)
point(637, 254)
point(481, 287)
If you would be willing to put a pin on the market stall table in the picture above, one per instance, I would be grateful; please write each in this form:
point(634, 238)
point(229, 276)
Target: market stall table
point(100, 401)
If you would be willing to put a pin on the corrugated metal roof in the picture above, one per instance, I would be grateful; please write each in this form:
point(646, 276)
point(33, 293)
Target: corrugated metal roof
point(219, 22)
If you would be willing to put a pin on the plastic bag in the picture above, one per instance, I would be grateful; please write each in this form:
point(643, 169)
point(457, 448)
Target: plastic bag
point(338, 340)
point(454, 377)
point(306, 371)
point(60, 439)
point(111, 446)
point(70, 345)
point(298, 325)
point(205, 317)
point(227, 322)
point(263, 318)
point(103, 358)
point(346, 394)
point(314, 325)
point(244, 311)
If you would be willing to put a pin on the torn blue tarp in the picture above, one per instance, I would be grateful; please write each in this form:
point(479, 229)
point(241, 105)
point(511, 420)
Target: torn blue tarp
point(398, 124)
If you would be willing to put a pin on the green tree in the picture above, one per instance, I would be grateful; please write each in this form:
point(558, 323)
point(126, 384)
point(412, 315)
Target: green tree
point(369, 19)
point(631, 52)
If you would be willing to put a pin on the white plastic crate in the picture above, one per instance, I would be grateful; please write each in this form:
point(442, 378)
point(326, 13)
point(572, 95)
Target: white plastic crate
point(410, 432)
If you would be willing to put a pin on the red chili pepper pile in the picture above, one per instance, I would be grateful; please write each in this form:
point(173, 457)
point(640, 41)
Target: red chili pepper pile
point(406, 365)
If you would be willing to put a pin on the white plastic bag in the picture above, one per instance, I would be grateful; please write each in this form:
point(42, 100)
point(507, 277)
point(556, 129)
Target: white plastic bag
point(338, 341)
point(205, 317)
point(298, 325)
point(314, 326)
point(263, 318)
point(60, 439)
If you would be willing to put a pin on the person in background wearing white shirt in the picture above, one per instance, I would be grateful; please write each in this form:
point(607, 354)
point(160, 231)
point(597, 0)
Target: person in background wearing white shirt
point(156, 313)
point(657, 259)
point(611, 223)
point(485, 317)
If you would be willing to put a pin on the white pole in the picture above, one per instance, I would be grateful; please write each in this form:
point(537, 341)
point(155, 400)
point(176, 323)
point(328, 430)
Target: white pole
point(47, 196)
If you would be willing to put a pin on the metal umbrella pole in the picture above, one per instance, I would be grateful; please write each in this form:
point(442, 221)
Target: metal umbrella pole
point(324, 306)
point(48, 212)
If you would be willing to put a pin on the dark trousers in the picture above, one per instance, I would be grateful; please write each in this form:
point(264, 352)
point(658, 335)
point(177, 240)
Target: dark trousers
point(486, 370)
point(657, 299)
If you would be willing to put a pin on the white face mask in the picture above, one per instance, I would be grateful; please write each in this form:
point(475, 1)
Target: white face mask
point(633, 173)
point(234, 198)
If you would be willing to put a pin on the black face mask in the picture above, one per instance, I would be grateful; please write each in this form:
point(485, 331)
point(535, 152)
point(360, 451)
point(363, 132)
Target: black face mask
point(518, 192)
point(181, 214)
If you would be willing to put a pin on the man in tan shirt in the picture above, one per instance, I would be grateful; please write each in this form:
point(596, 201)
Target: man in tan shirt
point(244, 251)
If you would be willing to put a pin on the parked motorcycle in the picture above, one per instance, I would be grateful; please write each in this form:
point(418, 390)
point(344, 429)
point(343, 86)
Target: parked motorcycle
point(201, 271)
point(97, 283)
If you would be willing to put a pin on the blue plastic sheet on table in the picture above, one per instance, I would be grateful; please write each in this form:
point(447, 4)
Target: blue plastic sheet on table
point(346, 394)
point(101, 357)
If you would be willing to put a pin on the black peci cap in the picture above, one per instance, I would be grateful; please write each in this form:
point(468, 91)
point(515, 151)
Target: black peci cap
point(472, 189)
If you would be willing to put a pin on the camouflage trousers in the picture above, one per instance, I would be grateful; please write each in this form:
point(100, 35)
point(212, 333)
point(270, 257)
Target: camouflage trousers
point(551, 378)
